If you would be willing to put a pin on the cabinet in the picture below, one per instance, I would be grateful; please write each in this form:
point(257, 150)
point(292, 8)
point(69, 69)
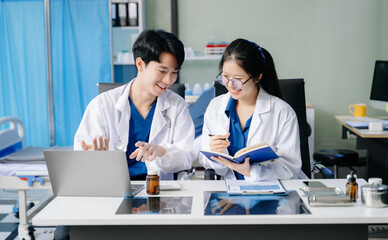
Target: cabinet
point(127, 22)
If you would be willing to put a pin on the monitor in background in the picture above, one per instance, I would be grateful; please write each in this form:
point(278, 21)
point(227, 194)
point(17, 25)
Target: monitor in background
point(379, 91)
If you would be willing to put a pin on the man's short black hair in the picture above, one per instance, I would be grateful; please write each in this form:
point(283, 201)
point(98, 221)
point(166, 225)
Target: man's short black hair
point(151, 43)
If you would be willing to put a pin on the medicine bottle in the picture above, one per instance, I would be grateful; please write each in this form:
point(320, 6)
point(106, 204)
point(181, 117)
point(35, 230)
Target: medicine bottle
point(352, 186)
point(152, 183)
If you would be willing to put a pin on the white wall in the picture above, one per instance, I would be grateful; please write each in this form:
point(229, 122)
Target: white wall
point(331, 43)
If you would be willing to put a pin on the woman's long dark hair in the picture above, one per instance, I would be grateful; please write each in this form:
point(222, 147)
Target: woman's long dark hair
point(255, 61)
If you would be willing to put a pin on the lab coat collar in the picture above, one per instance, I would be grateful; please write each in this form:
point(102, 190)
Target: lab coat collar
point(231, 106)
point(263, 103)
point(159, 121)
point(122, 103)
point(224, 103)
point(161, 118)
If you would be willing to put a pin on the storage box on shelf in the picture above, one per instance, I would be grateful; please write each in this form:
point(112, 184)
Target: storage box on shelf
point(127, 22)
point(215, 49)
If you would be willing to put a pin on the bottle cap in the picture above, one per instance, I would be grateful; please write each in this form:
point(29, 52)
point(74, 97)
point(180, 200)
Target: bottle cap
point(353, 177)
point(377, 181)
point(152, 172)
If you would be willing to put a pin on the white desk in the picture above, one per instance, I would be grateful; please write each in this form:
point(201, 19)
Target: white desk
point(376, 145)
point(95, 218)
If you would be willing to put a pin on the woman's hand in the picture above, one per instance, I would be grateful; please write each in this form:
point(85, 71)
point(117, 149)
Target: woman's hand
point(147, 152)
point(103, 145)
point(218, 143)
point(223, 204)
point(242, 168)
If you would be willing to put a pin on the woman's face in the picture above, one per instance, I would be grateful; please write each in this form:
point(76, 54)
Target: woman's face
point(231, 70)
point(158, 76)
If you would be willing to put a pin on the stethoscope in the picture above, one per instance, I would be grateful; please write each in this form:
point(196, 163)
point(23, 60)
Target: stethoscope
point(119, 145)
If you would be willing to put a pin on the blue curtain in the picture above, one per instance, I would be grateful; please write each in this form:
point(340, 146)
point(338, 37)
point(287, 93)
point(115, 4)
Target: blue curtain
point(23, 81)
point(80, 49)
point(80, 41)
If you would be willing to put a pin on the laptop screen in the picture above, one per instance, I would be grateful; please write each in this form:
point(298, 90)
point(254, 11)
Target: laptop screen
point(89, 173)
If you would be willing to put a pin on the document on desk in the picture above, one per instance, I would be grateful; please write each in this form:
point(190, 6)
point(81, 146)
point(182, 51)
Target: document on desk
point(363, 123)
point(243, 187)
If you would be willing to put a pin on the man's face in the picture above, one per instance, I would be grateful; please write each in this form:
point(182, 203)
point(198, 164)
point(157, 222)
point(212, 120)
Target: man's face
point(158, 76)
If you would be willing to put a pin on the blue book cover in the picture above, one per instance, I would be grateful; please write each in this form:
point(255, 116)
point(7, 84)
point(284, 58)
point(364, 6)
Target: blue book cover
point(256, 153)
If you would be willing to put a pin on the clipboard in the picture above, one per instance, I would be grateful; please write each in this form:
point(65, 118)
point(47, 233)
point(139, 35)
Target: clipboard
point(264, 187)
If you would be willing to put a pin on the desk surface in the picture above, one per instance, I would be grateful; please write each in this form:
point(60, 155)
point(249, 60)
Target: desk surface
point(364, 133)
point(83, 211)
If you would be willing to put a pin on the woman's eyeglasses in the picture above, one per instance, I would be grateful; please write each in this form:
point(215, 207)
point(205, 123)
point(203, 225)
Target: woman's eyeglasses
point(237, 83)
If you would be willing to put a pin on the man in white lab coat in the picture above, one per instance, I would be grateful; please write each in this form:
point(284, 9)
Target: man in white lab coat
point(143, 118)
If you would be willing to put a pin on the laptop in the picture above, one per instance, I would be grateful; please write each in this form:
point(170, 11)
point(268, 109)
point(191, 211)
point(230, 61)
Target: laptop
point(90, 174)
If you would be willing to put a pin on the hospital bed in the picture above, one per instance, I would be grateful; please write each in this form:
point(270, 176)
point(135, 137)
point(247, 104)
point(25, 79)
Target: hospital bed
point(14, 155)
point(22, 168)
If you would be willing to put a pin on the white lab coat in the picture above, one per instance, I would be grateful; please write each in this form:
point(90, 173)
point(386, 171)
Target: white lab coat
point(108, 115)
point(273, 122)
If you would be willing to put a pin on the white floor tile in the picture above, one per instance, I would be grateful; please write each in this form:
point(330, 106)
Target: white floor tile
point(4, 209)
point(4, 235)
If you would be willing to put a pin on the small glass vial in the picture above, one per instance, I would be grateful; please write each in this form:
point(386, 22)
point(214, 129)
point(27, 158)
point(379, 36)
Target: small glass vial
point(152, 183)
point(352, 186)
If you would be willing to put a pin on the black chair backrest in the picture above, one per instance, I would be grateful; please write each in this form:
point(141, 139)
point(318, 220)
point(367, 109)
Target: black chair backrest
point(178, 88)
point(293, 93)
point(103, 87)
point(219, 89)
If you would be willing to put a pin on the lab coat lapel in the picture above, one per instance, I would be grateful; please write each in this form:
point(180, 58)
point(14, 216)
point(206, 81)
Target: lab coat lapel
point(122, 105)
point(223, 121)
point(159, 121)
point(263, 105)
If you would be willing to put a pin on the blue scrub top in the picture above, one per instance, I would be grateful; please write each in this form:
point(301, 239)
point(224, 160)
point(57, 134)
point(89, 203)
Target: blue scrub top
point(238, 137)
point(139, 130)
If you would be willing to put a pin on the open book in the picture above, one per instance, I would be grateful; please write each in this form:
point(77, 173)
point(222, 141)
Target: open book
point(257, 153)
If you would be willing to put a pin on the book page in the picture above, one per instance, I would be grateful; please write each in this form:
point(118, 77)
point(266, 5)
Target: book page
point(249, 148)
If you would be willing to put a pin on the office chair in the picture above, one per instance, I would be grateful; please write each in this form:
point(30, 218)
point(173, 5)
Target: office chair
point(103, 87)
point(336, 158)
point(178, 88)
point(293, 93)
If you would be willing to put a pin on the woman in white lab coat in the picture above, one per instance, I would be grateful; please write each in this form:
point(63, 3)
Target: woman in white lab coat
point(251, 112)
point(143, 118)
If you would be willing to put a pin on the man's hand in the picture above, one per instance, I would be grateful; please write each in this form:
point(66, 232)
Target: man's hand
point(147, 152)
point(103, 145)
